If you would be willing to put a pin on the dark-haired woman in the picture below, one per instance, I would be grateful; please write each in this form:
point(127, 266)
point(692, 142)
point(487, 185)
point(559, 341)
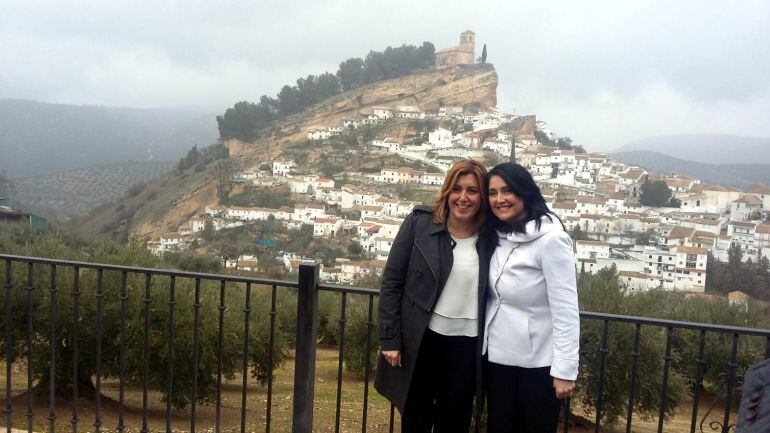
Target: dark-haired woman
point(532, 324)
point(430, 308)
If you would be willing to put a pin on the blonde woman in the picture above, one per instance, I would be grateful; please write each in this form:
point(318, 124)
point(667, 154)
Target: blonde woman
point(431, 309)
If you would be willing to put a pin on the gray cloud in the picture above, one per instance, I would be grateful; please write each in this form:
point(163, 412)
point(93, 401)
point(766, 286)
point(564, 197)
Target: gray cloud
point(603, 72)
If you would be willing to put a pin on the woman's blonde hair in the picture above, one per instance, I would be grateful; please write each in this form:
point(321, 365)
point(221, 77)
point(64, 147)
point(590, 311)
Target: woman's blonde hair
point(461, 168)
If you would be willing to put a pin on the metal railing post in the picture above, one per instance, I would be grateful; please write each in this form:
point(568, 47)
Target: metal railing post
point(304, 362)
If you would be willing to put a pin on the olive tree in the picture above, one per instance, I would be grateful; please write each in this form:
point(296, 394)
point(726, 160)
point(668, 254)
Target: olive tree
point(124, 312)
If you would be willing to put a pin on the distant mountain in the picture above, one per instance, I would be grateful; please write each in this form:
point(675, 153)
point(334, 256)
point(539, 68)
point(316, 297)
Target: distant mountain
point(740, 175)
point(38, 138)
point(707, 148)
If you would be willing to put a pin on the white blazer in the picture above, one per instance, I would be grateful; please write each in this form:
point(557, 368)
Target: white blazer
point(532, 315)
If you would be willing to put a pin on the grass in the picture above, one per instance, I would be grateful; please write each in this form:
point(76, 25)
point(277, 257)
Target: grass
point(256, 404)
point(351, 411)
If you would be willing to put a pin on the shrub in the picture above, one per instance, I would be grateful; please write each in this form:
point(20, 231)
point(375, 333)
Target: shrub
point(259, 337)
point(329, 305)
point(357, 331)
point(136, 188)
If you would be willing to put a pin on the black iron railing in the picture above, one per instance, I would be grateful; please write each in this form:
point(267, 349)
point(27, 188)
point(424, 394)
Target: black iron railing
point(21, 296)
point(671, 326)
point(77, 269)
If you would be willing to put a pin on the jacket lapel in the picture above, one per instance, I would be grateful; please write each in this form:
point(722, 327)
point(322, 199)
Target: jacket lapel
point(444, 242)
point(430, 243)
point(484, 251)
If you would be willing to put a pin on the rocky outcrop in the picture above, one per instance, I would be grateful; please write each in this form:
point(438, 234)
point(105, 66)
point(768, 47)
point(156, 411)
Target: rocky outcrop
point(429, 90)
point(523, 127)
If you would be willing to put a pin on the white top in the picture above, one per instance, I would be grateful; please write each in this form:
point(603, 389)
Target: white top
point(532, 315)
point(456, 311)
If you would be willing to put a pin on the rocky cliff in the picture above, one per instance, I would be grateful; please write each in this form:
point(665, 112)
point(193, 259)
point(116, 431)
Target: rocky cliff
point(429, 90)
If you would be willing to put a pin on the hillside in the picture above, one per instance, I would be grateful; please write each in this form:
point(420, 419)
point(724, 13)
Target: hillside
point(706, 148)
point(429, 90)
point(38, 138)
point(740, 175)
point(176, 198)
point(75, 192)
point(160, 203)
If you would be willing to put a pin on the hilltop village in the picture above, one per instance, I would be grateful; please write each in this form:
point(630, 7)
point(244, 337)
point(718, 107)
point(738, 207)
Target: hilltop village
point(596, 198)
point(322, 184)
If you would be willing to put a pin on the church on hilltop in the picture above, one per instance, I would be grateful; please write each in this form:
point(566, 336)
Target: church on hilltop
point(463, 54)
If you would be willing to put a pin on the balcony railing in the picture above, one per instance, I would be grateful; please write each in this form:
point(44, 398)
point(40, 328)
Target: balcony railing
point(33, 287)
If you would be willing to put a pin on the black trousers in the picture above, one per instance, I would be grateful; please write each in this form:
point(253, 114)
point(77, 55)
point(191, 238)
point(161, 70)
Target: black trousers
point(520, 400)
point(440, 398)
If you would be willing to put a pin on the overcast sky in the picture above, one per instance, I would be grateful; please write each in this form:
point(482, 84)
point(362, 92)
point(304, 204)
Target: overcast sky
point(603, 72)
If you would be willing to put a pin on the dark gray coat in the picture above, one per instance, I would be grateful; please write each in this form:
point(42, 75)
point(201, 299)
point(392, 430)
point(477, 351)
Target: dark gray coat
point(418, 266)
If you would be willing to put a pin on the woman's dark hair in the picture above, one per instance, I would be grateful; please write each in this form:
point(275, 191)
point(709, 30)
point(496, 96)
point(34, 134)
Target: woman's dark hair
point(521, 183)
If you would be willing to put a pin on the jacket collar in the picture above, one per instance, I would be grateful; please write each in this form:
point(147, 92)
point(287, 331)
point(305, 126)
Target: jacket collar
point(546, 225)
point(437, 228)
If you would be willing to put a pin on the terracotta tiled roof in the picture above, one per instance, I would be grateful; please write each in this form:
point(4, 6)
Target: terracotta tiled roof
point(691, 250)
point(681, 232)
point(749, 199)
point(590, 242)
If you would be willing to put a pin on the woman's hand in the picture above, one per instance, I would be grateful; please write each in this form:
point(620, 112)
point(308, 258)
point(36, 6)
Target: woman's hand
point(563, 387)
point(393, 357)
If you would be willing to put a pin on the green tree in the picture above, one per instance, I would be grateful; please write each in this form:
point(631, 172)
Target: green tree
point(327, 85)
point(245, 119)
point(289, 100)
point(240, 121)
point(189, 160)
point(208, 230)
point(26, 242)
point(484, 54)
point(191, 262)
point(603, 293)
point(272, 198)
point(674, 202)
point(350, 73)
point(564, 143)
point(578, 234)
point(358, 333)
point(355, 249)
point(735, 269)
point(643, 238)
point(655, 194)
point(751, 276)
